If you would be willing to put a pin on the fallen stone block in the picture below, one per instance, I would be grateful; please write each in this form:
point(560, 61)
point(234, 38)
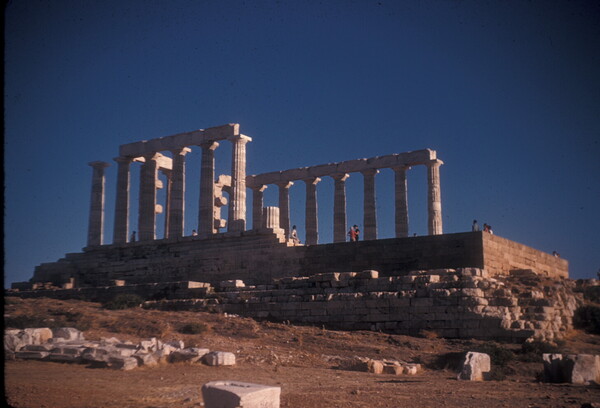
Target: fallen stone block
point(145, 359)
point(32, 355)
point(191, 355)
point(149, 345)
point(122, 363)
point(475, 367)
point(394, 369)
point(233, 394)
point(572, 368)
point(39, 335)
point(375, 366)
point(411, 369)
point(219, 358)
point(68, 333)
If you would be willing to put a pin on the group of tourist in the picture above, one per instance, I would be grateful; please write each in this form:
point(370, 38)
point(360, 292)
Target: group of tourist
point(354, 233)
point(486, 227)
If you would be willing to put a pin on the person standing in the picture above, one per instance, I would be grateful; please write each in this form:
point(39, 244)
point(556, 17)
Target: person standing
point(475, 227)
point(352, 234)
point(132, 238)
point(356, 233)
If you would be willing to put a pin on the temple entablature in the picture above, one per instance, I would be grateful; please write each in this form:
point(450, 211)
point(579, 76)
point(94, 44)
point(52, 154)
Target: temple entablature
point(408, 159)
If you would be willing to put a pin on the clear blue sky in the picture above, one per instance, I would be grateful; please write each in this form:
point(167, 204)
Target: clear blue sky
point(508, 93)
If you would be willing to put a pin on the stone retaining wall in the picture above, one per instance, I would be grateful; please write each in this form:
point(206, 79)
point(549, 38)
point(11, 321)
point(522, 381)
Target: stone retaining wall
point(258, 256)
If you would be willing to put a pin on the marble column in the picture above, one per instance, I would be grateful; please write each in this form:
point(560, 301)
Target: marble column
point(207, 189)
point(121, 222)
point(169, 176)
point(147, 198)
point(401, 202)
point(176, 204)
point(271, 217)
point(434, 198)
point(237, 221)
point(339, 207)
point(284, 206)
point(311, 222)
point(96, 219)
point(369, 209)
point(257, 206)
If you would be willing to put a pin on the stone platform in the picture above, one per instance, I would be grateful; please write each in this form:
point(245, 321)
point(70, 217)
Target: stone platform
point(259, 256)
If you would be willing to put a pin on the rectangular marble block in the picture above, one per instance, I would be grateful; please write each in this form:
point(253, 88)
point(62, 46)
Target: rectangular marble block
point(234, 394)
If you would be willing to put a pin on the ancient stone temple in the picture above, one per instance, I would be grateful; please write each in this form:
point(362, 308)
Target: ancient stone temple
point(229, 253)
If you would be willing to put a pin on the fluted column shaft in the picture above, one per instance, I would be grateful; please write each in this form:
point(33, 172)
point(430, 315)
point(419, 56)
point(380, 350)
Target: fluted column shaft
point(147, 199)
point(434, 198)
point(284, 206)
point(96, 219)
point(169, 176)
point(207, 189)
point(257, 206)
point(237, 220)
point(311, 222)
point(339, 207)
point(176, 204)
point(369, 204)
point(121, 221)
point(401, 206)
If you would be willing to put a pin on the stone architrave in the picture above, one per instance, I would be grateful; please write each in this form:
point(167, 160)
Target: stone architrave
point(96, 219)
point(284, 206)
point(434, 198)
point(237, 218)
point(257, 206)
point(401, 204)
point(370, 208)
point(121, 223)
point(339, 207)
point(207, 189)
point(311, 217)
point(147, 198)
point(176, 202)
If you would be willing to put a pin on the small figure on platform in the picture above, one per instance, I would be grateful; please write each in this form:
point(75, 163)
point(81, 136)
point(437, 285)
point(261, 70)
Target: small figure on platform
point(352, 234)
point(356, 232)
point(132, 238)
point(194, 233)
point(294, 236)
point(475, 227)
point(486, 228)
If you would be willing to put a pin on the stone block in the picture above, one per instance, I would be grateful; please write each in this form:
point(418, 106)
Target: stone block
point(219, 358)
point(572, 368)
point(67, 333)
point(145, 359)
point(32, 355)
point(38, 335)
point(192, 355)
point(122, 363)
point(367, 274)
point(475, 367)
point(234, 394)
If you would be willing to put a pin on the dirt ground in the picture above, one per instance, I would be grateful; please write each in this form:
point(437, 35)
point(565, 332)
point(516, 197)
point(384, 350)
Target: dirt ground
point(304, 361)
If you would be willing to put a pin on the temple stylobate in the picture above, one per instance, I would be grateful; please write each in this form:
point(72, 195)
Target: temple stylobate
point(150, 154)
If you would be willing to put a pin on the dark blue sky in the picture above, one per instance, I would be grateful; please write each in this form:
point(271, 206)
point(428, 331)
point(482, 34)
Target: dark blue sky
point(508, 93)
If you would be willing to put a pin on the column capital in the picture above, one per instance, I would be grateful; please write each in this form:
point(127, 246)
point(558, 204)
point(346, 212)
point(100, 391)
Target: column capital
point(434, 163)
point(260, 188)
point(209, 144)
point(99, 164)
point(312, 180)
point(339, 176)
point(182, 151)
point(239, 139)
point(284, 184)
point(369, 172)
point(123, 159)
point(401, 168)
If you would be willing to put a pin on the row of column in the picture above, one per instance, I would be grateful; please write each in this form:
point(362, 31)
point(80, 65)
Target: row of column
point(369, 205)
point(175, 201)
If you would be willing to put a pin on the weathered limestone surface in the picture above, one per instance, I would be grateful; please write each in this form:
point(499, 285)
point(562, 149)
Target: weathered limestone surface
point(475, 367)
point(234, 394)
point(256, 257)
point(572, 368)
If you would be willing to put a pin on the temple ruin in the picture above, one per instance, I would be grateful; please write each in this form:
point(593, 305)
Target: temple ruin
point(261, 262)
